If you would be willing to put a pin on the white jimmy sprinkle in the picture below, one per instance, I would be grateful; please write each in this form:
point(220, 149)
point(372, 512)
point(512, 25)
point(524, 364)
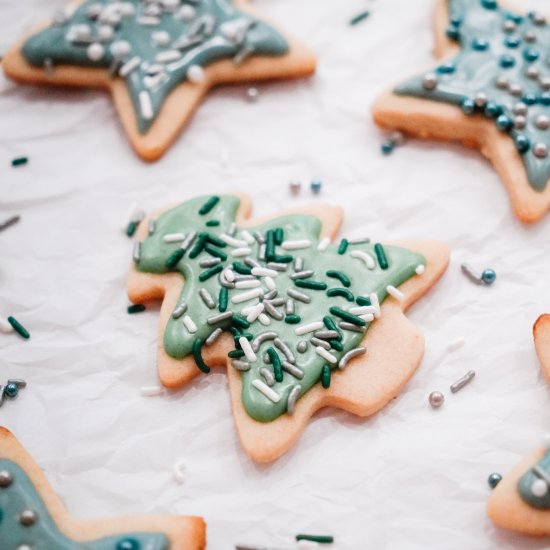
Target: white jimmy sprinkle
point(239, 252)
point(368, 317)
point(397, 294)
point(168, 56)
point(365, 257)
point(326, 355)
point(254, 313)
point(173, 237)
point(5, 327)
point(179, 472)
point(195, 74)
point(245, 296)
point(133, 211)
point(247, 236)
point(151, 391)
point(264, 272)
point(148, 20)
point(129, 66)
point(311, 327)
point(457, 343)
point(229, 274)
point(264, 319)
point(296, 245)
point(323, 244)
point(270, 283)
point(420, 269)
point(189, 324)
point(375, 302)
point(362, 310)
point(231, 241)
point(266, 390)
point(249, 283)
point(247, 348)
point(145, 105)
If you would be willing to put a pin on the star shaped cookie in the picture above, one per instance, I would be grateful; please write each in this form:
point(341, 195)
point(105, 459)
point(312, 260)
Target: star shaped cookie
point(158, 58)
point(32, 516)
point(490, 90)
point(300, 323)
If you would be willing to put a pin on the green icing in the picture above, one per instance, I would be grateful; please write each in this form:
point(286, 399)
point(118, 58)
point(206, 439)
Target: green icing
point(178, 342)
point(44, 534)
point(220, 30)
point(497, 44)
point(526, 481)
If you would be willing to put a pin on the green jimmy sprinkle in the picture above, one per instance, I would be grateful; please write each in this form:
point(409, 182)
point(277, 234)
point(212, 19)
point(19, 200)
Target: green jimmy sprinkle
point(239, 321)
point(279, 235)
point(19, 328)
point(342, 277)
point(344, 292)
point(212, 239)
point(212, 223)
point(208, 205)
point(223, 299)
point(336, 344)
point(241, 268)
point(197, 346)
point(215, 252)
point(20, 161)
point(312, 285)
point(363, 301)
point(347, 316)
point(292, 319)
point(131, 228)
point(136, 308)
point(344, 243)
point(277, 365)
point(329, 323)
point(205, 275)
point(323, 539)
point(174, 258)
point(359, 17)
point(199, 245)
point(381, 255)
point(325, 377)
point(236, 354)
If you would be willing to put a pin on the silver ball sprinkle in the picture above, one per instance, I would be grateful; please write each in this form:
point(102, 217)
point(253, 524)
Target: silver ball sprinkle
point(516, 90)
point(509, 26)
point(540, 150)
point(6, 479)
point(520, 122)
point(429, 82)
point(538, 19)
point(28, 517)
point(436, 399)
point(295, 187)
point(532, 72)
point(545, 82)
point(542, 122)
point(520, 108)
point(502, 82)
point(530, 36)
point(252, 95)
point(481, 99)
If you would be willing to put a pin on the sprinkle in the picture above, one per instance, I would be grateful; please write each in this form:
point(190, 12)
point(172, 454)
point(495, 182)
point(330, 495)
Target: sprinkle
point(223, 298)
point(239, 267)
point(264, 272)
point(292, 398)
point(219, 318)
point(325, 377)
point(136, 308)
point(328, 334)
point(148, 20)
point(298, 263)
point(258, 235)
point(19, 328)
point(212, 223)
point(336, 344)
point(209, 262)
point(196, 74)
point(342, 277)
point(310, 327)
point(323, 539)
point(293, 319)
point(285, 350)
point(236, 353)
point(243, 366)
point(277, 365)
point(208, 205)
point(266, 390)
point(343, 246)
point(188, 241)
point(329, 323)
point(297, 372)
point(264, 319)
point(251, 263)
point(359, 17)
point(316, 186)
point(168, 56)
point(302, 274)
point(297, 295)
point(381, 255)
point(151, 226)
point(197, 345)
point(189, 324)
point(296, 245)
point(239, 321)
point(323, 244)
point(213, 337)
point(261, 338)
point(351, 327)
point(321, 343)
point(311, 285)
point(9, 222)
point(271, 295)
point(5, 327)
point(205, 275)
point(277, 266)
point(395, 293)
point(254, 313)
point(247, 348)
point(146, 105)
point(179, 471)
point(420, 269)
point(346, 316)
point(231, 241)
point(179, 311)
point(151, 391)
point(456, 344)
point(248, 283)
point(174, 258)
point(363, 301)
point(215, 252)
point(270, 283)
point(19, 161)
point(362, 310)
point(268, 376)
point(366, 257)
point(344, 292)
point(460, 383)
point(295, 186)
point(359, 240)
point(136, 254)
point(245, 296)
point(240, 252)
point(173, 237)
point(290, 307)
point(347, 357)
point(199, 246)
point(271, 311)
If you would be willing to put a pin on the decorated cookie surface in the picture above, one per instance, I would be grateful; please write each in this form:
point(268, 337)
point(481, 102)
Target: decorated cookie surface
point(32, 517)
point(297, 307)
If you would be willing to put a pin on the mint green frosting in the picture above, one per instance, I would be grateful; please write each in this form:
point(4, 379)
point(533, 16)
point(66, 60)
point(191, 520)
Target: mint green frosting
point(526, 481)
point(497, 44)
point(220, 29)
point(178, 341)
point(44, 534)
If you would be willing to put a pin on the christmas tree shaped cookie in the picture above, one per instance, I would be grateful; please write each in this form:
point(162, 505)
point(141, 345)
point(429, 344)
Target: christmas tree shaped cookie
point(33, 517)
point(157, 57)
point(490, 90)
point(521, 501)
point(300, 323)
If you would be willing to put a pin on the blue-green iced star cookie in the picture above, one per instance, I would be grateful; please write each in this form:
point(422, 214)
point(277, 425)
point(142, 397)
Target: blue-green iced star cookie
point(491, 90)
point(158, 57)
point(33, 517)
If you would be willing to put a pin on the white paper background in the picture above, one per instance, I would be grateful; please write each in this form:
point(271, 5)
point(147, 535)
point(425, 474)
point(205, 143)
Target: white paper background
point(410, 477)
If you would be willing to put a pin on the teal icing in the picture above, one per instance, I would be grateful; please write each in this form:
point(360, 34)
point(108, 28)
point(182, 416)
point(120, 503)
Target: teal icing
point(476, 70)
point(526, 481)
point(178, 342)
point(231, 31)
point(44, 534)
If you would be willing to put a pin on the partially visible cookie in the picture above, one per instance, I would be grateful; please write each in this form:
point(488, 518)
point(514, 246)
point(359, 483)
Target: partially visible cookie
point(541, 332)
point(489, 90)
point(158, 58)
point(33, 517)
point(301, 323)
